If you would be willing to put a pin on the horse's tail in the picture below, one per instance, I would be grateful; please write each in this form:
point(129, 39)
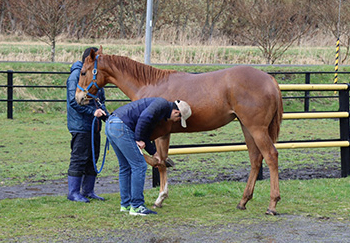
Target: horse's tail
point(274, 127)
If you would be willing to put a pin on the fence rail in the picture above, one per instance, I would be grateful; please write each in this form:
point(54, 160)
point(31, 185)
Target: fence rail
point(287, 87)
point(342, 114)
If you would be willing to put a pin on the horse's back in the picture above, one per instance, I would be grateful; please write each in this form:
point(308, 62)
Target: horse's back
point(235, 85)
point(236, 76)
point(217, 97)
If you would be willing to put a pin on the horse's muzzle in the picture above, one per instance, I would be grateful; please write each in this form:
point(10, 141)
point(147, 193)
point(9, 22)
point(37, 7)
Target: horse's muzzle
point(82, 98)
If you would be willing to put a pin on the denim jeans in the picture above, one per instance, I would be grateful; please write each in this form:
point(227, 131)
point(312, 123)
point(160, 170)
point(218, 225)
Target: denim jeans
point(132, 164)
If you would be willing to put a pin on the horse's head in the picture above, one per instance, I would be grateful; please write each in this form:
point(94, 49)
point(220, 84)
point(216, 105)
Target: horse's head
point(89, 81)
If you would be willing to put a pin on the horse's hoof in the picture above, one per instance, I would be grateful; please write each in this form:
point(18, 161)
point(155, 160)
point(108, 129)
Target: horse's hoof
point(156, 206)
point(241, 207)
point(169, 162)
point(271, 212)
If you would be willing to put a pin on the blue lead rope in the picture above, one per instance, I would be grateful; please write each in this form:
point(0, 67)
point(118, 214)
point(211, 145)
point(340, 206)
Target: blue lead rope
point(93, 148)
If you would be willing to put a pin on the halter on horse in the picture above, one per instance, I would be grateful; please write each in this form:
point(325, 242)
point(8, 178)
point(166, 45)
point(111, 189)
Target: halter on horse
point(216, 98)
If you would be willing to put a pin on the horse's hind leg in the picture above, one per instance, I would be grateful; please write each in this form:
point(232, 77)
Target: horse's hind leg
point(256, 162)
point(270, 154)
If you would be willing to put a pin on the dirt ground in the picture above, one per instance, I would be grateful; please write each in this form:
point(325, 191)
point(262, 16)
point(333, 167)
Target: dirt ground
point(110, 184)
point(291, 228)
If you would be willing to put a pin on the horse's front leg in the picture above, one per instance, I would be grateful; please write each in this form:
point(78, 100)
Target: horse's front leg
point(162, 144)
point(163, 193)
point(150, 160)
point(163, 190)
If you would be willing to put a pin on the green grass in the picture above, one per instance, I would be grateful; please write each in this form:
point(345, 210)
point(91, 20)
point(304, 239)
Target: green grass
point(56, 218)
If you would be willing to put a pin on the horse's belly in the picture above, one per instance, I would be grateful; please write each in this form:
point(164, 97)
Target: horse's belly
point(201, 122)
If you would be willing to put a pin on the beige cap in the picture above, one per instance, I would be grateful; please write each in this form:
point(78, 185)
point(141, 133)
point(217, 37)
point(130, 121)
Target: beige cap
point(185, 111)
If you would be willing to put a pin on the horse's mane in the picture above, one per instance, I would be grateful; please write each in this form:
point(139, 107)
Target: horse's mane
point(141, 72)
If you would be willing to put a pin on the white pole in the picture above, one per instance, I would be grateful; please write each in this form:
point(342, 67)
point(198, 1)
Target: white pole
point(148, 31)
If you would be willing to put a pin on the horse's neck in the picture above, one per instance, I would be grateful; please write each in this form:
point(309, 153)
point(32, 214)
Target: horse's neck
point(131, 76)
point(128, 87)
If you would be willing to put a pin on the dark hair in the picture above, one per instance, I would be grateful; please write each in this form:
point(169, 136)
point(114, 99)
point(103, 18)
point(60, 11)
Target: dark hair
point(175, 106)
point(87, 52)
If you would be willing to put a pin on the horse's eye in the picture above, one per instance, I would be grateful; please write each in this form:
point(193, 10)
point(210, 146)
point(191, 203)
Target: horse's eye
point(83, 73)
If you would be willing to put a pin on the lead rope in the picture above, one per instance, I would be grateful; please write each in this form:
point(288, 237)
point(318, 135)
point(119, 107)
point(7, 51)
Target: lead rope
point(93, 148)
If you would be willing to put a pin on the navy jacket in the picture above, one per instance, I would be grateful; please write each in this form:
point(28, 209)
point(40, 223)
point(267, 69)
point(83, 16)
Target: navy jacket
point(142, 116)
point(79, 118)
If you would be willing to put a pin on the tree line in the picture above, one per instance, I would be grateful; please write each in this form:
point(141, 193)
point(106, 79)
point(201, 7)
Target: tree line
point(271, 25)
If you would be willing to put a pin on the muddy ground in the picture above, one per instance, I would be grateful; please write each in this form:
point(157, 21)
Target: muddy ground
point(291, 228)
point(110, 184)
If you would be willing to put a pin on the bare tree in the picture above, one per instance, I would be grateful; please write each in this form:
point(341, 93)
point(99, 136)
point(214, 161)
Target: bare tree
point(131, 17)
point(8, 22)
point(179, 19)
point(47, 19)
point(2, 14)
point(157, 11)
point(44, 19)
point(175, 15)
point(214, 10)
point(91, 17)
point(328, 14)
point(272, 25)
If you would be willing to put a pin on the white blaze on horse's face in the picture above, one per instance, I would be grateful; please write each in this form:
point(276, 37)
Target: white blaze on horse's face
point(81, 94)
point(82, 98)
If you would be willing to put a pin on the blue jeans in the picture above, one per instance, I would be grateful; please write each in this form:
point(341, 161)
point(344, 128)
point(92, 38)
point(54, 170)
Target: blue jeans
point(132, 164)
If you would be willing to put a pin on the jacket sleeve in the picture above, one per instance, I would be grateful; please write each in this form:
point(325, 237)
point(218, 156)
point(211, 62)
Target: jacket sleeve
point(102, 100)
point(143, 131)
point(150, 147)
point(72, 82)
point(147, 121)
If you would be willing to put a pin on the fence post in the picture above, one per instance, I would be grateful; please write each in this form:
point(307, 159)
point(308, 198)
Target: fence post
point(9, 94)
point(307, 94)
point(344, 132)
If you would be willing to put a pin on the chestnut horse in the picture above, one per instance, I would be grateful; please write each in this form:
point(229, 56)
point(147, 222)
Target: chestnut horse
point(216, 98)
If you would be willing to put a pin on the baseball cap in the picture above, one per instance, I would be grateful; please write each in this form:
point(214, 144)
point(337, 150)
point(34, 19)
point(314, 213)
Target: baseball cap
point(185, 111)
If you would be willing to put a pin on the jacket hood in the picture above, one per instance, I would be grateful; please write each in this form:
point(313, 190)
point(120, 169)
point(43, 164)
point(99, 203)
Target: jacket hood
point(76, 65)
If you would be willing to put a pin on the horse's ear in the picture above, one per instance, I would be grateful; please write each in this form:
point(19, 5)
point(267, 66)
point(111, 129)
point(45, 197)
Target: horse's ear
point(92, 54)
point(99, 51)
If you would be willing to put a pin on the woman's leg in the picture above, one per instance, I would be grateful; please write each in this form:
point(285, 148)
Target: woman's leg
point(114, 131)
point(127, 145)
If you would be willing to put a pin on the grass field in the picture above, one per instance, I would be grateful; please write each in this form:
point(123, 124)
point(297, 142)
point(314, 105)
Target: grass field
point(34, 147)
point(196, 208)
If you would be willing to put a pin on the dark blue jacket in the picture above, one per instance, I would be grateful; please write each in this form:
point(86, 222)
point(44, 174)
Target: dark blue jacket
point(141, 116)
point(79, 118)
